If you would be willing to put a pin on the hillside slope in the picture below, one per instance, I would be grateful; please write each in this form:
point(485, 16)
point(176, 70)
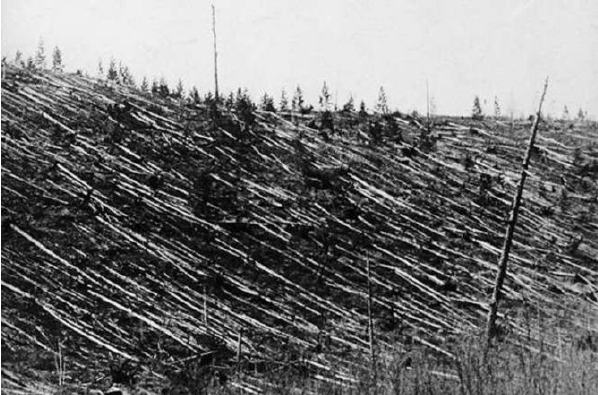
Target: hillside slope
point(132, 230)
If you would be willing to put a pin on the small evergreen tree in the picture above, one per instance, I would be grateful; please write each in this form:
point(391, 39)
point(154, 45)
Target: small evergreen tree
point(57, 60)
point(476, 113)
point(362, 110)
point(382, 104)
point(496, 107)
point(242, 94)
point(581, 115)
point(208, 99)
point(100, 69)
point(244, 108)
point(284, 101)
point(238, 96)
point(112, 74)
point(144, 85)
point(125, 76)
point(194, 96)
point(163, 90)
point(297, 103)
point(349, 106)
point(155, 87)
point(19, 59)
point(30, 64)
point(324, 97)
point(566, 113)
point(267, 103)
point(40, 56)
point(178, 91)
point(229, 103)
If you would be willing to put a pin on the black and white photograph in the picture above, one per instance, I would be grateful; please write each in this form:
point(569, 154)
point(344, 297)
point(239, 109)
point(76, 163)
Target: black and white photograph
point(334, 197)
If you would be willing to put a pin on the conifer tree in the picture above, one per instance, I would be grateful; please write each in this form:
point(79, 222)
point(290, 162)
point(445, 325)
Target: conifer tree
point(244, 107)
point(19, 59)
point(112, 74)
point(144, 85)
point(325, 97)
point(57, 60)
point(163, 90)
point(194, 95)
point(155, 88)
point(208, 99)
point(125, 76)
point(100, 69)
point(349, 106)
point(30, 64)
point(284, 101)
point(267, 103)
point(362, 110)
point(581, 115)
point(566, 113)
point(382, 104)
point(476, 112)
point(229, 103)
point(178, 91)
point(496, 107)
point(40, 56)
point(297, 103)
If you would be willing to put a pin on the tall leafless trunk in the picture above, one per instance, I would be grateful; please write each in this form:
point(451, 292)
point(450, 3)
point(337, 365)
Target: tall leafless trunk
point(504, 258)
point(216, 96)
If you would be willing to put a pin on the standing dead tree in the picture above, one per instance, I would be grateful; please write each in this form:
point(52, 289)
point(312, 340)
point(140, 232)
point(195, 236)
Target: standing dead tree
point(504, 258)
point(216, 96)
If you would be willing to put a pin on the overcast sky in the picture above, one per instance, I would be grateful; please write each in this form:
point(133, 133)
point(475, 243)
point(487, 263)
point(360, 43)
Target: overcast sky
point(463, 47)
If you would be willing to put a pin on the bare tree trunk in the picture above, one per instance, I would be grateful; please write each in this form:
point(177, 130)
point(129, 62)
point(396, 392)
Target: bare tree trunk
point(216, 95)
point(370, 323)
point(504, 258)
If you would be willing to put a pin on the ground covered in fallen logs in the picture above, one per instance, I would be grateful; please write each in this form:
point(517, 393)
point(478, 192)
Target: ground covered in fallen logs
point(145, 245)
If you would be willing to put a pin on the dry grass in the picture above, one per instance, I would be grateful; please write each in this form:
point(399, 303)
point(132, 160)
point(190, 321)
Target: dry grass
point(510, 369)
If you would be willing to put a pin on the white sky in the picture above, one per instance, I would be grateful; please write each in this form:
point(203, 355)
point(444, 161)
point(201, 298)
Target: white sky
point(463, 47)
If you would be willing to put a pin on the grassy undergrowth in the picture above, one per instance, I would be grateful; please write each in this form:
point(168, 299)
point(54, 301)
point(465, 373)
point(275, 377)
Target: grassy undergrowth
point(512, 367)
